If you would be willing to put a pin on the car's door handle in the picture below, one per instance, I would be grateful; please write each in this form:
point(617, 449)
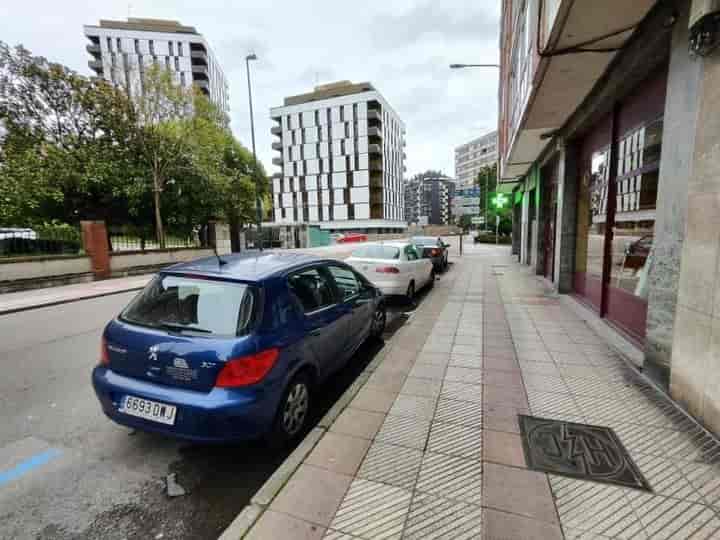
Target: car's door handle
point(315, 332)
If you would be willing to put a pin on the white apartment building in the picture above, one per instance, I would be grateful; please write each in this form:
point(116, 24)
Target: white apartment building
point(121, 50)
point(342, 160)
point(471, 157)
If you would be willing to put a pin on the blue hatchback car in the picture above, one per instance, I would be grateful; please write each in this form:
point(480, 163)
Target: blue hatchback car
point(232, 348)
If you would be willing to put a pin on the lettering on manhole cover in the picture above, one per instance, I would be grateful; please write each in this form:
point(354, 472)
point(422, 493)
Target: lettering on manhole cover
point(579, 451)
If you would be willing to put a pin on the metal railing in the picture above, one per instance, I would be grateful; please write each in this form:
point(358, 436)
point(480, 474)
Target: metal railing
point(126, 242)
point(46, 240)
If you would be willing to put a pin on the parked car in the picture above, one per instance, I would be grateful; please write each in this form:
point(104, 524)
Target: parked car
point(234, 348)
point(433, 248)
point(396, 268)
point(352, 237)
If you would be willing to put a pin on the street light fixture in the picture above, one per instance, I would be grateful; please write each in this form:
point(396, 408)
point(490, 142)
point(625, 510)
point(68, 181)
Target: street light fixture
point(462, 66)
point(258, 204)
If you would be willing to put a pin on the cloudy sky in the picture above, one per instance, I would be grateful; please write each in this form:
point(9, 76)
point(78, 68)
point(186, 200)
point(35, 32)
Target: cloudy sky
point(402, 46)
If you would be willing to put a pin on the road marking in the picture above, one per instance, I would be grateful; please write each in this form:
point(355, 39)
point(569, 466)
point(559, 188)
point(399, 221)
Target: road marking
point(28, 465)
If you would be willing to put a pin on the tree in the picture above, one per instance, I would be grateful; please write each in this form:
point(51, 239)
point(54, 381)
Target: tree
point(486, 180)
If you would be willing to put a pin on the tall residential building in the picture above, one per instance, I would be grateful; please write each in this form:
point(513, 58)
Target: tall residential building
point(471, 157)
point(121, 51)
point(428, 198)
point(342, 159)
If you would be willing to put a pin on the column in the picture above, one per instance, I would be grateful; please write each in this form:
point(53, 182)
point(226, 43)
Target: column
point(566, 223)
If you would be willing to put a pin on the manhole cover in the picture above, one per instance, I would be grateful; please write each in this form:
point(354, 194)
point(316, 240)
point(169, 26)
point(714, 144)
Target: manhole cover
point(580, 451)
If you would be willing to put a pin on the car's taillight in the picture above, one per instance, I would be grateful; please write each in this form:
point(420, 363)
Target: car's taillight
point(247, 370)
point(387, 270)
point(104, 355)
point(434, 252)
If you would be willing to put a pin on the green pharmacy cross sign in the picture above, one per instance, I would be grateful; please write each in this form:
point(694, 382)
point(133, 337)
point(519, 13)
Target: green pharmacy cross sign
point(499, 200)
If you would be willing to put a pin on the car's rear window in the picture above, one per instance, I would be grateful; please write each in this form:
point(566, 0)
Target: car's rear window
point(425, 241)
point(203, 306)
point(377, 252)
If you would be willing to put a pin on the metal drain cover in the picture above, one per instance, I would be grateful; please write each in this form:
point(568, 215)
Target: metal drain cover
point(579, 451)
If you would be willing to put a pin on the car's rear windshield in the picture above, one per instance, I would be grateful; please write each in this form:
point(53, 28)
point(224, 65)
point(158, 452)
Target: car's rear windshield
point(377, 252)
point(425, 241)
point(195, 305)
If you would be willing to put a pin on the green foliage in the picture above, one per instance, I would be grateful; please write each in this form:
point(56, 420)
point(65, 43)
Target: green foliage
point(74, 148)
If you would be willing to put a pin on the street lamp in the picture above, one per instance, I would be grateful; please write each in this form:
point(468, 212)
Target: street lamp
point(461, 66)
point(258, 205)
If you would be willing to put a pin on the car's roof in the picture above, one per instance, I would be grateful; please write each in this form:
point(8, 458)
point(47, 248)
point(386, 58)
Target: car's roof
point(425, 238)
point(248, 266)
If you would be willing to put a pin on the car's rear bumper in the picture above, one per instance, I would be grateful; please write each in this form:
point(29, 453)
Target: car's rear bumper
point(220, 415)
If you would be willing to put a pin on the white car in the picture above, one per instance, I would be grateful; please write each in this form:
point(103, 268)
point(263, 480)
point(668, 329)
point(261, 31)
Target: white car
point(396, 268)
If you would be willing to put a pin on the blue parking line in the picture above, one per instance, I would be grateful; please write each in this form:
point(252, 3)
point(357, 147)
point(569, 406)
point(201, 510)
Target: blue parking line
point(28, 465)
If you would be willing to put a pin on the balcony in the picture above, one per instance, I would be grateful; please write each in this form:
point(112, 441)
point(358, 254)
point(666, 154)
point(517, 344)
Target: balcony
point(199, 55)
point(544, 91)
point(374, 132)
point(93, 48)
point(277, 146)
point(277, 161)
point(200, 70)
point(374, 115)
point(96, 66)
point(276, 130)
point(376, 165)
point(374, 149)
point(277, 176)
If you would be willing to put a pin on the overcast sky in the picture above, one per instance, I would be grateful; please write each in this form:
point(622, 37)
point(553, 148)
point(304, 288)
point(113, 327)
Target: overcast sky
point(402, 46)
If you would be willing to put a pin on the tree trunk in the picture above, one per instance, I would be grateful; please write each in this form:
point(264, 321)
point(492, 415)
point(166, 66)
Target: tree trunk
point(159, 231)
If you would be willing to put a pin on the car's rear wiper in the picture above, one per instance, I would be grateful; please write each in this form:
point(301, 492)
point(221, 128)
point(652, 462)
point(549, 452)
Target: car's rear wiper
point(182, 328)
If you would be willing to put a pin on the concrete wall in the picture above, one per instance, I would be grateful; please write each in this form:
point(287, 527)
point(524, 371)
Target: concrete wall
point(680, 117)
point(695, 369)
point(121, 263)
point(566, 221)
point(30, 268)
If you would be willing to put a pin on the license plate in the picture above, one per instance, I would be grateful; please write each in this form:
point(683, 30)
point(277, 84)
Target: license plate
point(148, 409)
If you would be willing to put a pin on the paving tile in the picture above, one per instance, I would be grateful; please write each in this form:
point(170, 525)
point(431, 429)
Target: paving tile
point(462, 392)
point(373, 400)
point(404, 431)
point(415, 406)
point(437, 348)
point(455, 440)
point(339, 453)
point(503, 526)
point(503, 418)
point(416, 386)
point(470, 350)
point(451, 477)
point(505, 379)
point(504, 448)
point(386, 381)
point(464, 413)
point(540, 368)
point(464, 360)
point(436, 518)
point(326, 488)
point(439, 359)
point(358, 423)
point(518, 491)
point(272, 525)
point(463, 374)
point(427, 371)
point(494, 395)
point(372, 510)
point(551, 401)
point(470, 341)
point(390, 464)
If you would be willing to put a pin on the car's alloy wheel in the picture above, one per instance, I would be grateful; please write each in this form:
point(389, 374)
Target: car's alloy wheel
point(411, 291)
point(431, 280)
point(295, 408)
point(378, 322)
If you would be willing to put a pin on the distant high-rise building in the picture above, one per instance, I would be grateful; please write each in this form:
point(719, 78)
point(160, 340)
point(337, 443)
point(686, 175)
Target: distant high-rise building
point(471, 157)
point(121, 51)
point(342, 159)
point(428, 198)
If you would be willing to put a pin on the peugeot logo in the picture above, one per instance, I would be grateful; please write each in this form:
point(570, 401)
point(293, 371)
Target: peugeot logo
point(180, 363)
point(153, 353)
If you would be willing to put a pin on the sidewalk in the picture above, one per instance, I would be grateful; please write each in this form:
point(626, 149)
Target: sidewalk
point(36, 298)
point(430, 446)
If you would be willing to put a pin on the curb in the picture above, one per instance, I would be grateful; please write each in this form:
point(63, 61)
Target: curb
point(252, 512)
point(67, 300)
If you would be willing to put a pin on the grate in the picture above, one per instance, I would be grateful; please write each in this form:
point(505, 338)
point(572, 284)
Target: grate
point(579, 451)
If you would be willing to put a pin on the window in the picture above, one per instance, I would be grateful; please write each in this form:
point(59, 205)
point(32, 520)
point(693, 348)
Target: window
point(151, 44)
point(182, 78)
point(109, 44)
point(119, 44)
point(171, 48)
point(137, 46)
point(312, 289)
point(411, 253)
point(177, 64)
point(182, 304)
point(180, 47)
point(377, 251)
point(345, 280)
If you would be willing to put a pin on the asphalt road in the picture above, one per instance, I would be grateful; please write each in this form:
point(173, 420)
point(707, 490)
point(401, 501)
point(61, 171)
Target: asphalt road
point(67, 472)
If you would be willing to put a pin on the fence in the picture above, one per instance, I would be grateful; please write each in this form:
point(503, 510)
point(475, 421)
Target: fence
point(124, 242)
point(42, 240)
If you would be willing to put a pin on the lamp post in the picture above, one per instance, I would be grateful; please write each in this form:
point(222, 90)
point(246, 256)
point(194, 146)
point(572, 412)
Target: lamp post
point(258, 204)
point(462, 66)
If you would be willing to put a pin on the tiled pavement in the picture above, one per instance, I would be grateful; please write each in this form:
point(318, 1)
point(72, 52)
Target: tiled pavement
point(430, 446)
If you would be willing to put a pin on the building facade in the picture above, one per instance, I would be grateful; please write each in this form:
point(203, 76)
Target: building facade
point(342, 160)
point(616, 177)
point(470, 158)
point(428, 200)
point(120, 52)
